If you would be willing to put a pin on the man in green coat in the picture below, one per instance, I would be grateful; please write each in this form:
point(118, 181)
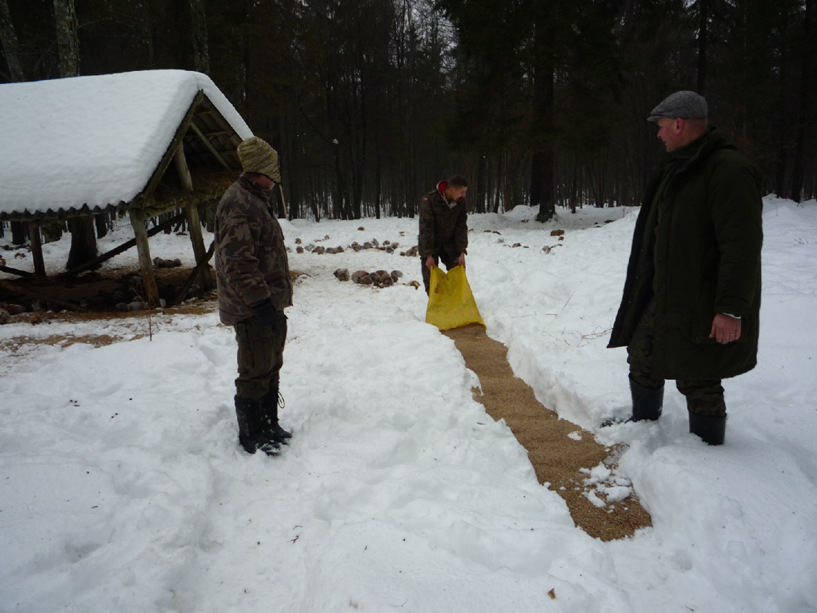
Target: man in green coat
point(443, 226)
point(691, 304)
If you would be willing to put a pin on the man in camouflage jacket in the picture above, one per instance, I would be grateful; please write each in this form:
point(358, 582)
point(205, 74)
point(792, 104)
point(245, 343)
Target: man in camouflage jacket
point(443, 227)
point(254, 288)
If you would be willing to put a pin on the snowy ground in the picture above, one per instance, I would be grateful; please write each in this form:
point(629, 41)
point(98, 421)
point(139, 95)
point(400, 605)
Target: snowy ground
point(122, 486)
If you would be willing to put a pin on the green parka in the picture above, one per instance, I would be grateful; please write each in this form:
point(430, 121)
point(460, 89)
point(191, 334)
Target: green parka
point(696, 250)
point(443, 228)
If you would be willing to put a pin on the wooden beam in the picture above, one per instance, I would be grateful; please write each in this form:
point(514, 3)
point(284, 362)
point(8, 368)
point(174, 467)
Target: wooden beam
point(36, 248)
point(145, 263)
point(207, 144)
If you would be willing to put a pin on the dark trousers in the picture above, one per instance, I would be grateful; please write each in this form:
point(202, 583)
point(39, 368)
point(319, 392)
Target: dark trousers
point(447, 261)
point(704, 397)
point(260, 356)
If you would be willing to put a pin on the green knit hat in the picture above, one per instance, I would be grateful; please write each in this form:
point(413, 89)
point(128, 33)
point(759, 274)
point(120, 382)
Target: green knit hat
point(256, 155)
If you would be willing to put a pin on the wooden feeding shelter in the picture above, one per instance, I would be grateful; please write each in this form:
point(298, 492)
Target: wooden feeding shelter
point(90, 145)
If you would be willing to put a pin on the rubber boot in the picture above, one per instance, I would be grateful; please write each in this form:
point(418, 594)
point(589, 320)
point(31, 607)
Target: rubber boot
point(648, 402)
point(250, 435)
point(269, 416)
point(711, 428)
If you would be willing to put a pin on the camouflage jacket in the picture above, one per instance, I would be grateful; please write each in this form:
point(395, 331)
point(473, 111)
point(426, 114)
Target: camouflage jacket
point(443, 228)
point(251, 259)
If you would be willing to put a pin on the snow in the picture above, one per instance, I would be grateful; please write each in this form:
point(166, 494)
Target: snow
point(122, 486)
point(93, 140)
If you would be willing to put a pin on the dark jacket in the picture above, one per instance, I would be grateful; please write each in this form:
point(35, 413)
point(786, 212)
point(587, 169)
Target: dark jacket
point(250, 256)
point(696, 251)
point(443, 228)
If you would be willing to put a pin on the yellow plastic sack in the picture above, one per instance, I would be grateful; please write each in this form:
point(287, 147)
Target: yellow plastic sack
point(450, 301)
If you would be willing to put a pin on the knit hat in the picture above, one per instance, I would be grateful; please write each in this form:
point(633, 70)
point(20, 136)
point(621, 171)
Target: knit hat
point(256, 155)
point(680, 105)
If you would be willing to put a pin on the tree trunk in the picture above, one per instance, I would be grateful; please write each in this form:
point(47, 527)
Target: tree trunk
point(83, 241)
point(65, 18)
point(806, 86)
point(703, 31)
point(8, 37)
point(19, 232)
point(542, 172)
point(101, 223)
point(198, 29)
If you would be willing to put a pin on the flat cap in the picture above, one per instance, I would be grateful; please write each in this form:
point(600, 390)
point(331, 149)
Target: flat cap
point(680, 105)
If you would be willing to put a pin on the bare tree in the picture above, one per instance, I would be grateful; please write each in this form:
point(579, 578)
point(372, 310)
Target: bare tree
point(198, 29)
point(65, 19)
point(8, 37)
point(807, 89)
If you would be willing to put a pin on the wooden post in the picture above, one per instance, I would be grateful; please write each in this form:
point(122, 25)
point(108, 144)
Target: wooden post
point(182, 169)
point(145, 263)
point(191, 211)
point(196, 237)
point(36, 248)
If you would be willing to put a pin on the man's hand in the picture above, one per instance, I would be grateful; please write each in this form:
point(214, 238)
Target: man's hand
point(461, 260)
point(430, 262)
point(266, 314)
point(725, 328)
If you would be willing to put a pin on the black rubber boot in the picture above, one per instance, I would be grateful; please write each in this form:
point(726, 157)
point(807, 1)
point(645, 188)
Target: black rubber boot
point(647, 405)
point(269, 416)
point(250, 435)
point(648, 402)
point(711, 428)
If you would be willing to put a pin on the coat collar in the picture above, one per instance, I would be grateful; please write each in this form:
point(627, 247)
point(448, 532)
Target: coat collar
point(249, 185)
point(698, 149)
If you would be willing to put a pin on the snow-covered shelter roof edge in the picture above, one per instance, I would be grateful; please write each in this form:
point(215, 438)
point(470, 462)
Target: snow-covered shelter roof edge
point(86, 144)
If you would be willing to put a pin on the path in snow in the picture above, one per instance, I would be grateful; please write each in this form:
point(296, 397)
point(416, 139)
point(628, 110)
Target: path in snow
point(566, 458)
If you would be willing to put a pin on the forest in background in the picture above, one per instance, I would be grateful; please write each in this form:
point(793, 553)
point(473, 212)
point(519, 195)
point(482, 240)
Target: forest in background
point(538, 102)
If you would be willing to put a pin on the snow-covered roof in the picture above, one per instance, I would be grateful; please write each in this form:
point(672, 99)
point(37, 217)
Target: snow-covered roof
point(93, 142)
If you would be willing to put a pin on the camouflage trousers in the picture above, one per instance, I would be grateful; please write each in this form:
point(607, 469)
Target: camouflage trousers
point(449, 264)
point(704, 396)
point(260, 356)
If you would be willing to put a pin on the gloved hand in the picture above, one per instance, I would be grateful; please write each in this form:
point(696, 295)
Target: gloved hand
point(266, 314)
